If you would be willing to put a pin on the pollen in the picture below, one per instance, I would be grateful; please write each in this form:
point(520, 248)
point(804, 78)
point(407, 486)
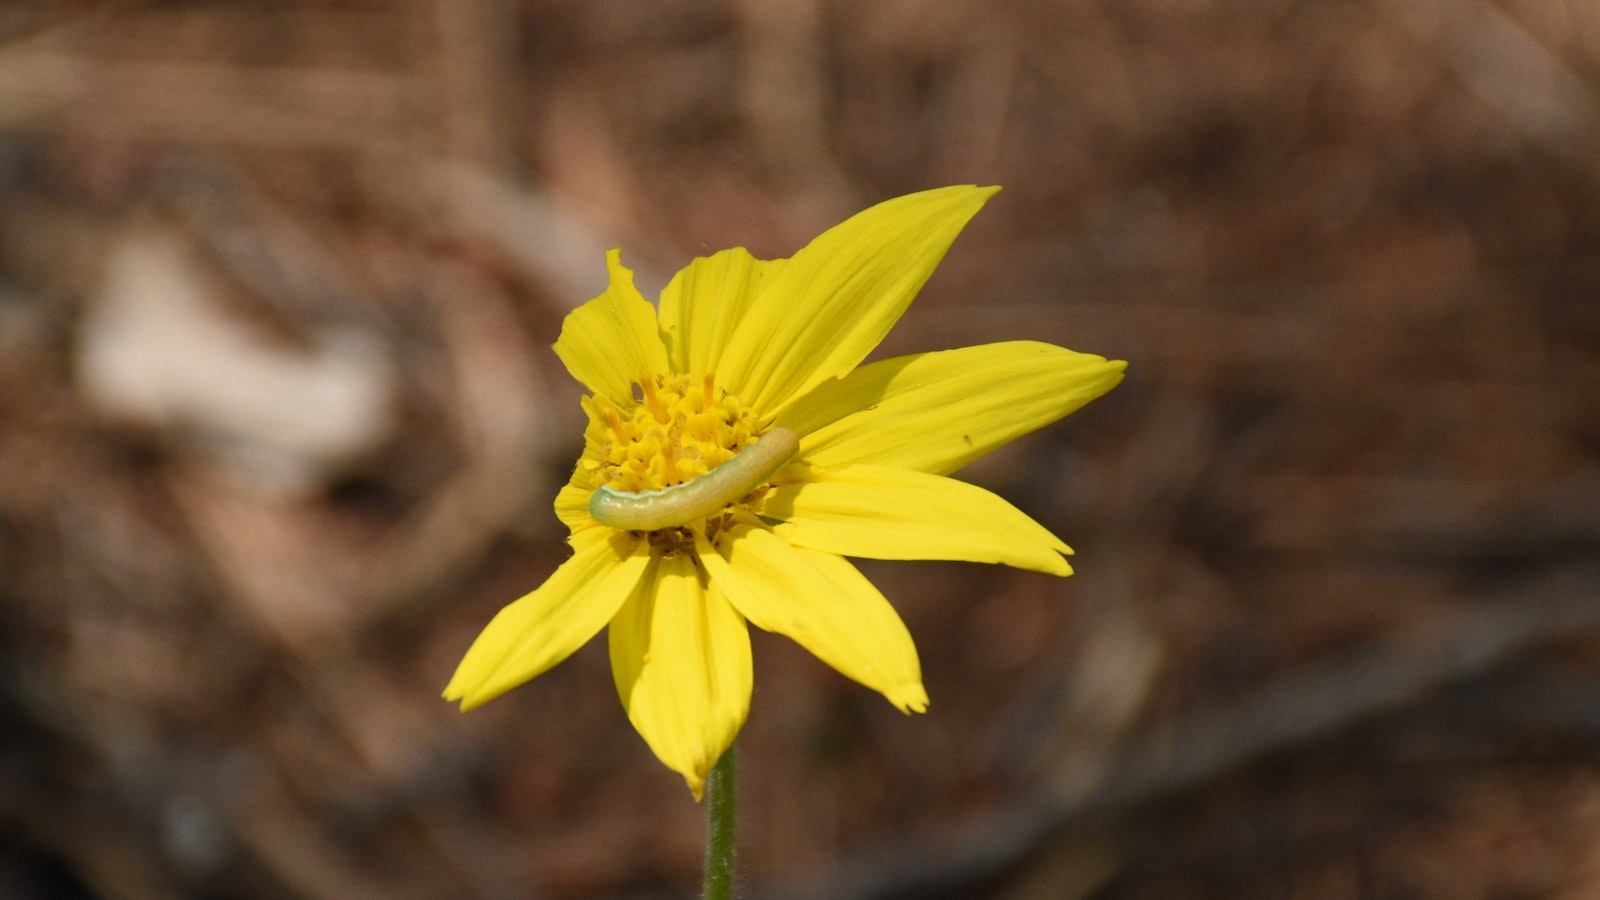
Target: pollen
point(674, 429)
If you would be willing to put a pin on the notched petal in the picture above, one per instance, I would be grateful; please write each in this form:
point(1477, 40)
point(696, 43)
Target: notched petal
point(822, 603)
point(879, 512)
point(612, 341)
point(681, 658)
point(936, 412)
point(544, 627)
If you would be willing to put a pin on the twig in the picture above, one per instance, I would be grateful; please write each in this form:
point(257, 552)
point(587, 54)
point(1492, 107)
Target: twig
point(1298, 709)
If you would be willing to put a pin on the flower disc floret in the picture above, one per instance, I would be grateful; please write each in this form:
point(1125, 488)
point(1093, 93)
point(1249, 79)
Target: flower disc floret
point(676, 428)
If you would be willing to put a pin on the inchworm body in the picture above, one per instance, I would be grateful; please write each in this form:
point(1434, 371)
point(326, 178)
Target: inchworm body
point(698, 497)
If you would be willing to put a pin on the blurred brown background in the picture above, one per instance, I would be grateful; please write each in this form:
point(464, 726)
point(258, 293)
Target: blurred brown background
point(280, 428)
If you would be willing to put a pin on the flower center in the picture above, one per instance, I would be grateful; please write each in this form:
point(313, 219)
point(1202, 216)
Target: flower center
point(676, 428)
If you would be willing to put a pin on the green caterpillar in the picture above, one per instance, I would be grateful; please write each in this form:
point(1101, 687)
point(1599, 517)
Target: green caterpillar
point(697, 497)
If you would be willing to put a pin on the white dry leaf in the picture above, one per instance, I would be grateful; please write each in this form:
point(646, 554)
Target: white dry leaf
point(157, 350)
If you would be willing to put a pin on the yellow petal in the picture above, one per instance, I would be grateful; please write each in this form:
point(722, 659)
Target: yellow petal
point(572, 506)
point(681, 658)
point(823, 604)
point(544, 627)
point(702, 303)
point(836, 299)
point(936, 412)
point(610, 342)
point(880, 512)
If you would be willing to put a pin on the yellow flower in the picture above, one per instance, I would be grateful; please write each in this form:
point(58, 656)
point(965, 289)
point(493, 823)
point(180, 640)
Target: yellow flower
point(741, 348)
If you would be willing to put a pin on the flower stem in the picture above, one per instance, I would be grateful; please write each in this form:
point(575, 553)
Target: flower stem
point(721, 812)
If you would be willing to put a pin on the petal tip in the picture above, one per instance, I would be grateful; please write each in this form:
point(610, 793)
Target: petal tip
point(1058, 563)
point(465, 704)
point(909, 698)
point(620, 274)
point(469, 698)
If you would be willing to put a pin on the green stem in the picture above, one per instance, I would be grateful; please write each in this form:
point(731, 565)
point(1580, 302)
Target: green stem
point(721, 811)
